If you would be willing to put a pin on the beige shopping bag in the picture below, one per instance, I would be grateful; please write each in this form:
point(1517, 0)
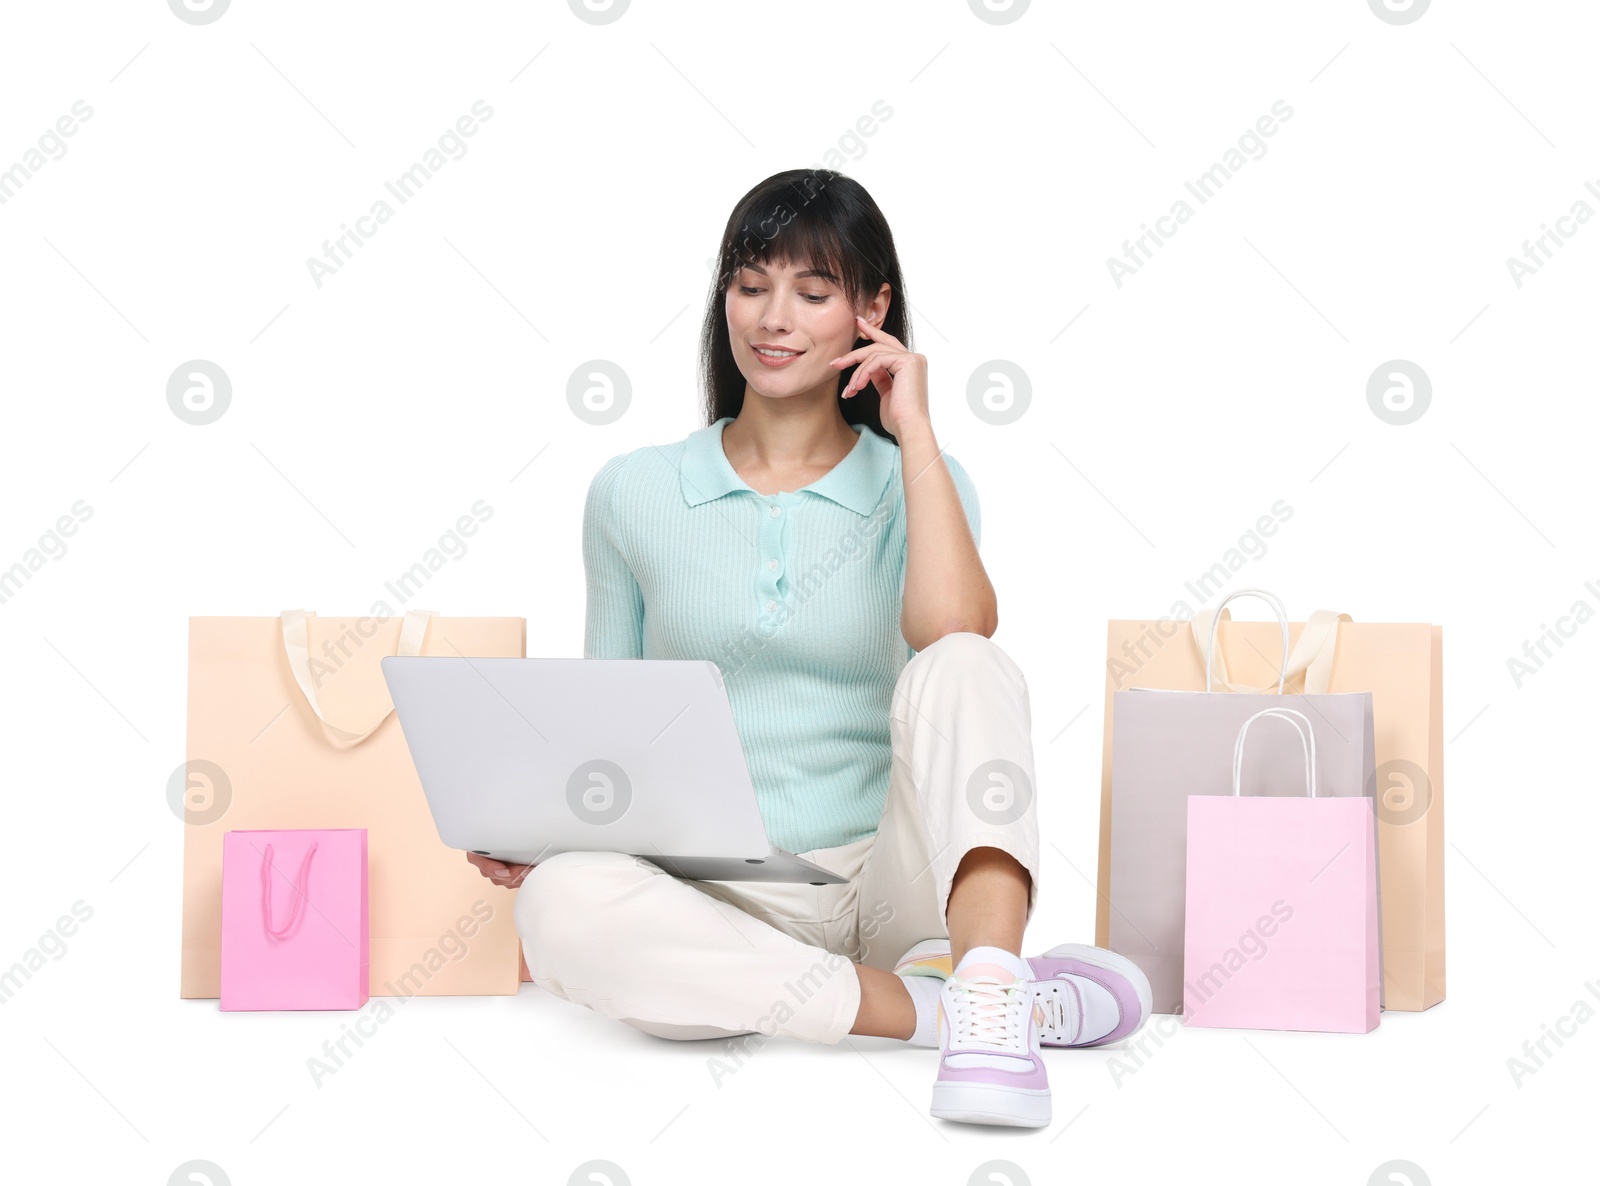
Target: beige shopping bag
point(1401, 665)
point(290, 726)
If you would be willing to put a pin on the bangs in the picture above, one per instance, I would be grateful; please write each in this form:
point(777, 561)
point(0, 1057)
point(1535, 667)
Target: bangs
point(790, 228)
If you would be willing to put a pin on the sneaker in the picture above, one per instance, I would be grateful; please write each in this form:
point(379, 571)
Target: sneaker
point(1086, 996)
point(990, 1071)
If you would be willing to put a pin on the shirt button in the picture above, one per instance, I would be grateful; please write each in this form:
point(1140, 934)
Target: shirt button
point(772, 605)
point(772, 566)
point(776, 511)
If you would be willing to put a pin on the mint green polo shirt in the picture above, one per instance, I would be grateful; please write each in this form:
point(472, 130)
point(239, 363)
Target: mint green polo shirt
point(795, 596)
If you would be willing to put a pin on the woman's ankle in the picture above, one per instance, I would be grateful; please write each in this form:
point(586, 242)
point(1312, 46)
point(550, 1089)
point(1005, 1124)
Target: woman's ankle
point(887, 1009)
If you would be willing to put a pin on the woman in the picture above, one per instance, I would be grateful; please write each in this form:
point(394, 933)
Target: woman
point(815, 542)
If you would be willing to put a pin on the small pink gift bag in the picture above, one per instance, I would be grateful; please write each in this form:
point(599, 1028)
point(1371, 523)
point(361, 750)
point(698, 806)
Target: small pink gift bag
point(1281, 906)
point(294, 919)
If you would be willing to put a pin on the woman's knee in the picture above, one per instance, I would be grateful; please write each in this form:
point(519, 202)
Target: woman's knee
point(969, 652)
point(560, 897)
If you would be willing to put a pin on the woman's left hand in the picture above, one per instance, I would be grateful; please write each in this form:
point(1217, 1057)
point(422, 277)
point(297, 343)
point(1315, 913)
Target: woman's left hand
point(900, 376)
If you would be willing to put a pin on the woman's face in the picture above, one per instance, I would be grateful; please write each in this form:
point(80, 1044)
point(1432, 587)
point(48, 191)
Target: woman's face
point(803, 319)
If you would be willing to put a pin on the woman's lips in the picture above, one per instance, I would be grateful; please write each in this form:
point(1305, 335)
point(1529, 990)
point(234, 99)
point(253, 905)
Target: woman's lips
point(768, 360)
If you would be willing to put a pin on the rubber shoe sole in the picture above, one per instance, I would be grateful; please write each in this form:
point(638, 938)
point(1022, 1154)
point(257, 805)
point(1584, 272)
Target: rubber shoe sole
point(974, 1103)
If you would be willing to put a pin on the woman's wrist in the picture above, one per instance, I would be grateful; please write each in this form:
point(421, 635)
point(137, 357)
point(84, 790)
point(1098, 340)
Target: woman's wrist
point(917, 432)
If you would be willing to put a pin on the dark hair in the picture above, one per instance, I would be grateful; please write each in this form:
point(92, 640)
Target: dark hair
point(829, 222)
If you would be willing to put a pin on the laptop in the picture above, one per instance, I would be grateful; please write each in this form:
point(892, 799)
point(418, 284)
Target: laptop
point(521, 759)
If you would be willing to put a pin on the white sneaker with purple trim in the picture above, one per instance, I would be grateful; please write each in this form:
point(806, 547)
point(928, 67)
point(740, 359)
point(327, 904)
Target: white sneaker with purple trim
point(990, 1071)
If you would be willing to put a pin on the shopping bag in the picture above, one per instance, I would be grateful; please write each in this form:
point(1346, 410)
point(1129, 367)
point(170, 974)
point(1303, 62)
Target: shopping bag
point(1281, 905)
point(1168, 745)
point(1401, 665)
point(290, 726)
point(294, 919)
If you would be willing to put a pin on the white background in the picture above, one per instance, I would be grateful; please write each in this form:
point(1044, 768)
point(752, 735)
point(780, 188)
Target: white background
point(1167, 415)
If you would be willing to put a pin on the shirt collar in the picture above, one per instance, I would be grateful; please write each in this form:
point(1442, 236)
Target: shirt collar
point(857, 482)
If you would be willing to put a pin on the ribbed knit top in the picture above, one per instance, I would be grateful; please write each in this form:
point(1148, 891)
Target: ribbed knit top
point(795, 596)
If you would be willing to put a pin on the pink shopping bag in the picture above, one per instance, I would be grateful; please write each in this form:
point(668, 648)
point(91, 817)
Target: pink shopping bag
point(1281, 918)
point(294, 919)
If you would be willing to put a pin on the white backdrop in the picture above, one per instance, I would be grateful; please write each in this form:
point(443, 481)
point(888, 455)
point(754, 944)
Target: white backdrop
point(1014, 152)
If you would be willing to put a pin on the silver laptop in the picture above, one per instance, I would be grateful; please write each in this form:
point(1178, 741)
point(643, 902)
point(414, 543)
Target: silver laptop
point(523, 758)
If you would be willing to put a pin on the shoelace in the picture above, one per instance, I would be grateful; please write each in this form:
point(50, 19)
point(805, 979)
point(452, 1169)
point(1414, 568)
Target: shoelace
point(991, 1012)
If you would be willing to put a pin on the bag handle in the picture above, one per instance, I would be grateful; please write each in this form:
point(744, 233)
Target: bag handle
point(1308, 746)
point(297, 646)
point(300, 882)
point(1210, 647)
point(1312, 655)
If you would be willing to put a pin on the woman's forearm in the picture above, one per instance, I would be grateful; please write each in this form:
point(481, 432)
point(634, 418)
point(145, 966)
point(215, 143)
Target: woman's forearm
point(947, 589)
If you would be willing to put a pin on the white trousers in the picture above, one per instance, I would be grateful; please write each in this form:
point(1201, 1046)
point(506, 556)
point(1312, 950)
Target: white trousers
point(704, 959)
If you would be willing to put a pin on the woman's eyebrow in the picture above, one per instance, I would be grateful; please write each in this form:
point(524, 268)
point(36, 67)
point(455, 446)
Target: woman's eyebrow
point(808, 274)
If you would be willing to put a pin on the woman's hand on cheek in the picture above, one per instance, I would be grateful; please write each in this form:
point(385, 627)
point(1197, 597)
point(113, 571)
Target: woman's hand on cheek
point(900, 377)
